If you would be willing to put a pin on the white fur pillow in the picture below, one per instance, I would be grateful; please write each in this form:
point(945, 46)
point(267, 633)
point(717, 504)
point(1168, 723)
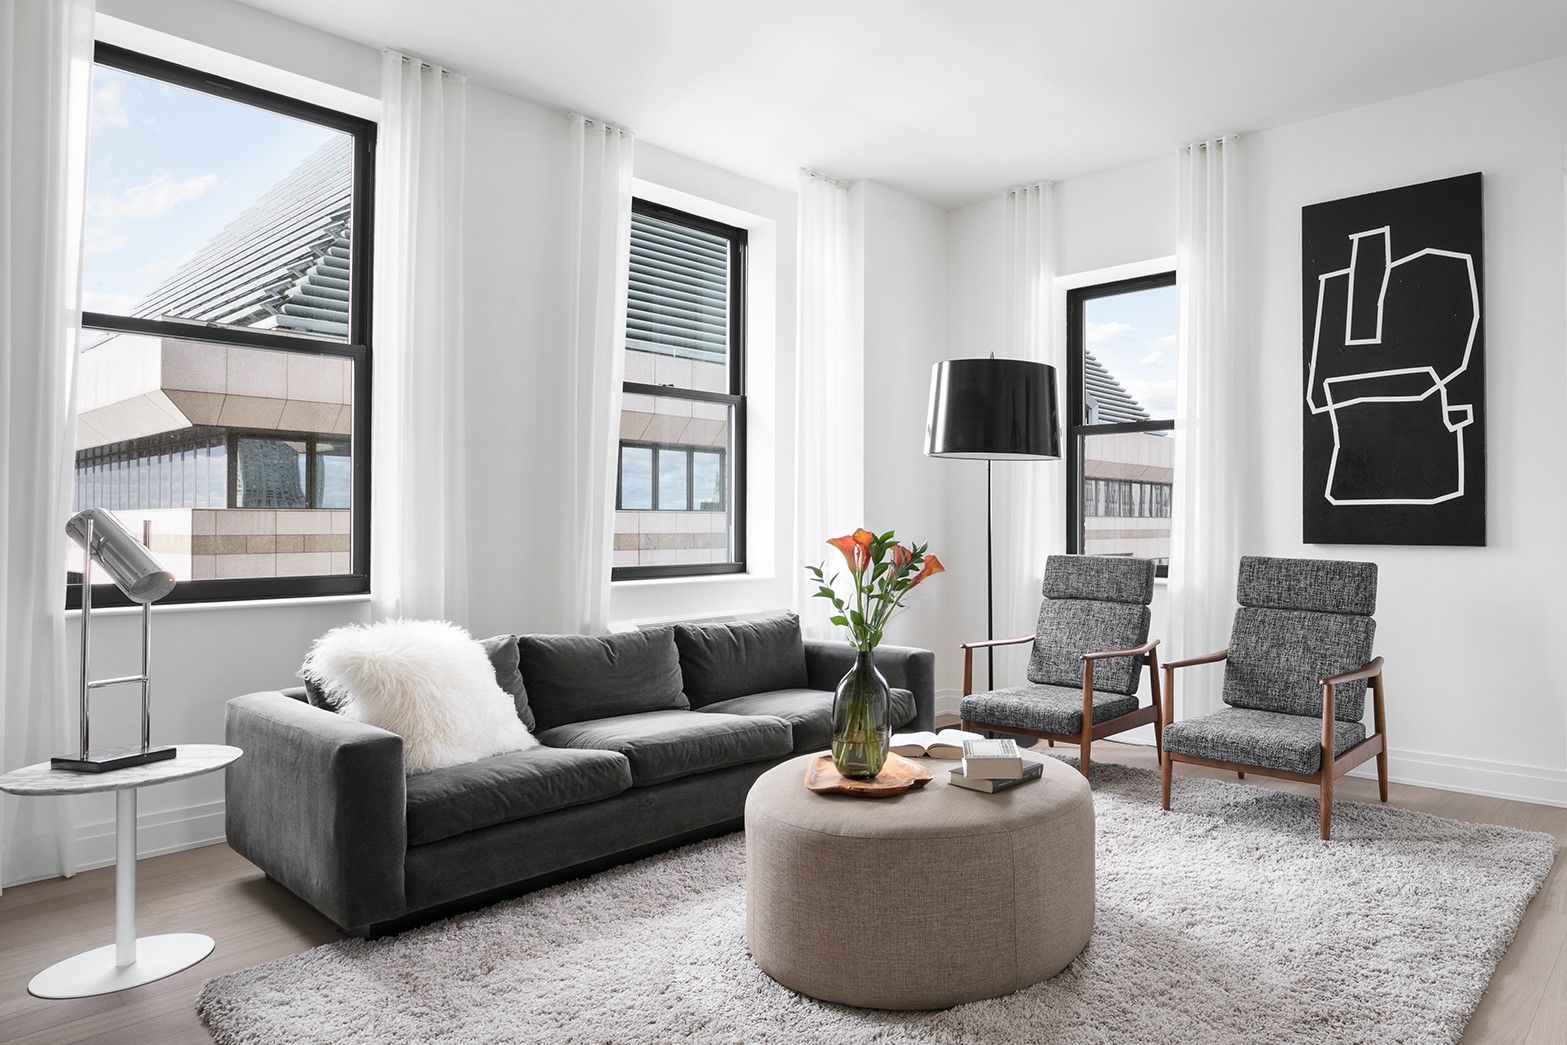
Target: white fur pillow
point(427, 681)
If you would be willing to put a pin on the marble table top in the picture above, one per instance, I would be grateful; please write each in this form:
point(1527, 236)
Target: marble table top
point(189, 760)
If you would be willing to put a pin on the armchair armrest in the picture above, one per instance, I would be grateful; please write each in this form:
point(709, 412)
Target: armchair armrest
point(319, 803)
point(1170, 666)
point(986, 643)
point(1192, 662)
point(905, 667)
point(1136, 651)
point(968, 649)
point(1365, 671)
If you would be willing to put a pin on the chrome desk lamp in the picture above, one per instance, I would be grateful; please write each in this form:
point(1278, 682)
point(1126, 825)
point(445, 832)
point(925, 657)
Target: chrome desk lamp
point(144, 580)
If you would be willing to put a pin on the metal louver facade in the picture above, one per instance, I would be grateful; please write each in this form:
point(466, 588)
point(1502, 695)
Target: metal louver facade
point(283, 263)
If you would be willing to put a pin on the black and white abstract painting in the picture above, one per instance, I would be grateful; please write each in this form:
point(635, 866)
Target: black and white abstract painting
point(1394, 346)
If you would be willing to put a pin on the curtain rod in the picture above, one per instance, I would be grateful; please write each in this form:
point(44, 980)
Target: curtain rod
point(423, 62)
point(819, 176)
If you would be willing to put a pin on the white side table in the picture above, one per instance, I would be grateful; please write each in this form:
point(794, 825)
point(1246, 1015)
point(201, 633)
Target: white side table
point(128, 961)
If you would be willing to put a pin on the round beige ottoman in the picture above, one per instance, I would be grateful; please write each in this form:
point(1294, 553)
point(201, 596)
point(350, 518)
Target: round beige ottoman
point(924, 900)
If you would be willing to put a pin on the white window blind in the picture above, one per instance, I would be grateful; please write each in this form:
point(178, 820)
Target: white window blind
point(678, 296)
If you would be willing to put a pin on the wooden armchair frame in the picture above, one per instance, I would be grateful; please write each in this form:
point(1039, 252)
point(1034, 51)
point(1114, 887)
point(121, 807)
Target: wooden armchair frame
point(1091, 731)
point(1331, 767)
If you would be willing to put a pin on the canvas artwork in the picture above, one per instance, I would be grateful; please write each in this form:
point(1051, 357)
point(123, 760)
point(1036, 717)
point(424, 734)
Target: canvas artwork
point(1394, 347)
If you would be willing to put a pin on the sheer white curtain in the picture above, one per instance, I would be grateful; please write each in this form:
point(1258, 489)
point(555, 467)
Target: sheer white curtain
point(597, 259)
point(829, 478)
point(419, 554)
point(1030, 501)
point(1214, 389)
point(45, 81)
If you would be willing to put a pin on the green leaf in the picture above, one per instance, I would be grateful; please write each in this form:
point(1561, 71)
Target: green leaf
point(839, 620)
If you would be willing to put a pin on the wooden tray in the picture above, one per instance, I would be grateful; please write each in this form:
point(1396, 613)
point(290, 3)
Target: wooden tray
point(898, 775)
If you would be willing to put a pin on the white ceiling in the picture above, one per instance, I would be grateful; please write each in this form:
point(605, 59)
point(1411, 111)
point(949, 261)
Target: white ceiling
point(951, 100)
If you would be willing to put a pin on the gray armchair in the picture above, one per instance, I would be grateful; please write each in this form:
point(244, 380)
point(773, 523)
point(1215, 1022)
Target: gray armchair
point(1295, 679)
point(1089, 650)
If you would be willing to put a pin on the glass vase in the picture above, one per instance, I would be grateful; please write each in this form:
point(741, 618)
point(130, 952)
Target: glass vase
point(860, 730)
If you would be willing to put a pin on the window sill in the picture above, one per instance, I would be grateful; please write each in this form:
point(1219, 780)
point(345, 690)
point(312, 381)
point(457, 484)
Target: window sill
point(246, 604)
point(710, 578)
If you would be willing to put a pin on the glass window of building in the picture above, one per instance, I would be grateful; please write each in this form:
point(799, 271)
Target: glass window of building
point(680, 502)
point(1121, 360)
point(226, 334)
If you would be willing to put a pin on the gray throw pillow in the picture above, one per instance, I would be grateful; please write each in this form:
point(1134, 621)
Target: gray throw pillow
point(738, 658)
point(502, 651)
point(573, 678)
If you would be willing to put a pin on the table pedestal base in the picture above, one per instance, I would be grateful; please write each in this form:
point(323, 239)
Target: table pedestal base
point(95, 972)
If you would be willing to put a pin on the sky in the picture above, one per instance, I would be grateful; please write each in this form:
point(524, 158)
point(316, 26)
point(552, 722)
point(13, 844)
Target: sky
point(1133, 335)
point(168, 168)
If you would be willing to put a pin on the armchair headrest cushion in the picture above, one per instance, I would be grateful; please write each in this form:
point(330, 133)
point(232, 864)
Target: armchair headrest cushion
point(1102, 578)
point(1313, 585)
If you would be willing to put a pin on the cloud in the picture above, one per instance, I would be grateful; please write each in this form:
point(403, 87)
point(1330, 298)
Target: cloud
point(106, 301)
point(103, 240)
point(108, 104)
point(152, 200)
point(1160, 351)
point(1156, 397)
point(1099, 333)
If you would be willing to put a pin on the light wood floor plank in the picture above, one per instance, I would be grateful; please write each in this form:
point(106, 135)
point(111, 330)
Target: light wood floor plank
point(215, 891)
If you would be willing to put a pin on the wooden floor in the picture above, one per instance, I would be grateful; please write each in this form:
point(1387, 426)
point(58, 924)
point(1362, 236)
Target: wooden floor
point(214, 891)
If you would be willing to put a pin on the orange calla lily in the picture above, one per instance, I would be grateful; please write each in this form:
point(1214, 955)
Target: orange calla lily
point(900, 556)
point(854, 551)
point(931, 567)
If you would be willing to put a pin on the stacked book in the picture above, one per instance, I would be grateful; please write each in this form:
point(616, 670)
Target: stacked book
point(994, 765)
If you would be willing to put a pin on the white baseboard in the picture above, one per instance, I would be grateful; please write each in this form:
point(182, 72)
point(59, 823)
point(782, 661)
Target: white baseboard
point(167, 831)
point(947, 701)
point(1473, 776)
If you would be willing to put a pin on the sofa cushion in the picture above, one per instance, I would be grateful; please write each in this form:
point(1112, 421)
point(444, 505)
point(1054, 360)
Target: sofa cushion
point(1292, 743)
point(575, 678)
point(514, 786)
point(723, 661)
point(665, 745)
point(1042, 709)
point(808, 712)
point(502, 651)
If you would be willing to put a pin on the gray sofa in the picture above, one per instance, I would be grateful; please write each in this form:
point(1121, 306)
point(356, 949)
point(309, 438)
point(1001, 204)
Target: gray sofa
point(649, 740)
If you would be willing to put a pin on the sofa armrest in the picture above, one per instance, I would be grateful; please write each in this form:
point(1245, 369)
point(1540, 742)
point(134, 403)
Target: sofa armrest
point(904, 667)
point(319, 804)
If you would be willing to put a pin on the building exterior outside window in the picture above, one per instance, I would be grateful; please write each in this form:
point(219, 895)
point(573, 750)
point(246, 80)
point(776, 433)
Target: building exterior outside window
point(224, 374)
point(680, 484)
point(1121, 361)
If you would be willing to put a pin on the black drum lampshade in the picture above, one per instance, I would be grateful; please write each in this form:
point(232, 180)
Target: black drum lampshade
point(993, 410)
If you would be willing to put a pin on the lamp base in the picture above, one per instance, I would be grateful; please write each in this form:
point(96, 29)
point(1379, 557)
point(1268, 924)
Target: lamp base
point(110, 759)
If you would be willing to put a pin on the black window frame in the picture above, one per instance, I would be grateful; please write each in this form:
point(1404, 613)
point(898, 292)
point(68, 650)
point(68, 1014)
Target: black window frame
point(356, 347)
point(1078, 428)
point(735, 399)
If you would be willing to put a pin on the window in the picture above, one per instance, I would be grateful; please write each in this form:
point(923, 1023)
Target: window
point(680, 487)
point(223, 387)
point(1121, 363)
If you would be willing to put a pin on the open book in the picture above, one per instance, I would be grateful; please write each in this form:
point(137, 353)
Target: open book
point(946, 744)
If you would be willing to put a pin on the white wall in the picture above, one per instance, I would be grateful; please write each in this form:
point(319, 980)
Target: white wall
point(1476, 699)
point(904, 314)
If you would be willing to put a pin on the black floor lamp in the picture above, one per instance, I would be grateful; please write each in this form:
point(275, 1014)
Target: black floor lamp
point(993, 410)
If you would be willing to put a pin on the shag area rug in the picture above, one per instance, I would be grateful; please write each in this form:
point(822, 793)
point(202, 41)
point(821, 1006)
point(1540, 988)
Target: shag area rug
point(1225, 921)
